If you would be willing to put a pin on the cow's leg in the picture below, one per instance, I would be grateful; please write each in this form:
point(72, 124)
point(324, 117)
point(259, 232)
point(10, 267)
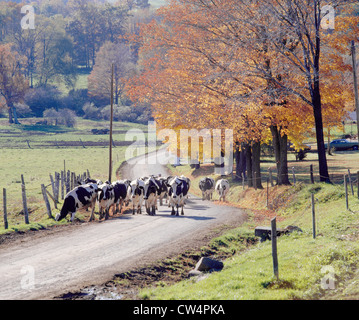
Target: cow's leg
point(121, 205)
point(177, 214)
point(107, 213)
point(73, 216)
point(154, 210)
point(182, 212)
point(100, 213)
point(92, 216)
point(173, 211)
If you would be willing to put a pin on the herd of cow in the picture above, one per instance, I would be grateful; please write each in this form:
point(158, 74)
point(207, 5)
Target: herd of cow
point(147, 190)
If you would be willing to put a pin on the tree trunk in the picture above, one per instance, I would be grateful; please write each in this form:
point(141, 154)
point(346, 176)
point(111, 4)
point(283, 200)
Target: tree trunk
point(10, 115)
point(240, 158)
point(329, 151)
point(317, 108)
point(280, 143)
point(248, 152)
point(16, 121)
point(256, 160)
point(237, 156)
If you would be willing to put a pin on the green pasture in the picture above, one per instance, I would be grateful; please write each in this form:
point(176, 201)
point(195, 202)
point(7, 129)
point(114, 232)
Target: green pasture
point(43, 159)
point(303, 261)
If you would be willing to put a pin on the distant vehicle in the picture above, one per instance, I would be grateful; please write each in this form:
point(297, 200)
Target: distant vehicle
point(304, 148)
point(343, 144)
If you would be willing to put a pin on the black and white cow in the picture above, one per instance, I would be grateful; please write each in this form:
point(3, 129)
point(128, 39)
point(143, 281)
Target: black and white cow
point(188, 183)
point(151, 192)
point(89, 180)
point(121, 196)
point(82, 197)
point(222, 187)
point(163, 191)
point(207, 187)
point(178, 190)
point(105, 198)
point(128, 198)
point(135, 192)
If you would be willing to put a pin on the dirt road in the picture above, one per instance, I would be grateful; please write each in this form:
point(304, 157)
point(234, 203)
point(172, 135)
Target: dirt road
point(91, 253)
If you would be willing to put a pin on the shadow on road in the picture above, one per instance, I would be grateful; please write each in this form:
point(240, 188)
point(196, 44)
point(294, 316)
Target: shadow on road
point(168, 215)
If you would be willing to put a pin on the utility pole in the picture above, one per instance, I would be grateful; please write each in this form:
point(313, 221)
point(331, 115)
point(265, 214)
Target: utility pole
point(355, 84)
point(111, 125)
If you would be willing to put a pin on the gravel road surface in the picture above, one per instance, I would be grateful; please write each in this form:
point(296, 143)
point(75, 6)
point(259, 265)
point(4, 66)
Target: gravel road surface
point(44, 267)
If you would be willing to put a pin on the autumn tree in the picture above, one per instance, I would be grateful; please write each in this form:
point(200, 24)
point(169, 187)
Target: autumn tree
point(244, 65)
point(303, 46)
point(100, 78)
point(12, 82)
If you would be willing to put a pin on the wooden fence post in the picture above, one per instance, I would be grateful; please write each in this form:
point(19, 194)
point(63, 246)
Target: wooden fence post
point(52, 198)
point(313, 216)
point(267, 192)
point(294, 180)
point(346, 191)
point(53, 186)
point(6, 225)
point(72, 181)
point(68, 187)
point(311, 174)
point(57, 186)
point(274, 247)
point(24, 201)
point(351, 182)
point(271, 177)
point(46, 199)
point(62, 184)
point(83, 146)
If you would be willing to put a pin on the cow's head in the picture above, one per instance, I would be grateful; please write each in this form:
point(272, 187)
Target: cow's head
point(175, 184)
point(105, 192)
point(136, 188)
point(127, 182)
point(151, 186)
point(93, 181)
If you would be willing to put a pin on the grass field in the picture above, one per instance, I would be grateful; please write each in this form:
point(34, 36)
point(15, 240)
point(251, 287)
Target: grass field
point(303, 261)
point(44, 158)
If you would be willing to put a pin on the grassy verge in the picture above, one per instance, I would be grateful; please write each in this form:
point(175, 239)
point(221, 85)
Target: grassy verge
point(304, 262)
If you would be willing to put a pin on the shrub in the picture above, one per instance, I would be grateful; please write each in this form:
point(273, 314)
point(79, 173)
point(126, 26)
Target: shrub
point(42, 98)
point(75, 101)
point(65, 117)
point(91, 112)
